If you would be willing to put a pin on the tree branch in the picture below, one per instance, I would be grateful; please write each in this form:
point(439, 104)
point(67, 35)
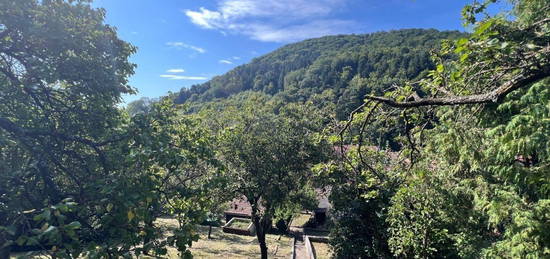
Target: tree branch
point(13, 128)
point(497, 94)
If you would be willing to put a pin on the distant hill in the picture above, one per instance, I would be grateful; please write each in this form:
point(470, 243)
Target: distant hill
point(335, 71)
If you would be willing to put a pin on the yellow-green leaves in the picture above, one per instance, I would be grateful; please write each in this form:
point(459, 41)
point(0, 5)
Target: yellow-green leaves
point(483, 27)
point(440, 68)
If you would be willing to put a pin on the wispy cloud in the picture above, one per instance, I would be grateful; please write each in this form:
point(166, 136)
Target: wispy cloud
point(236, 58)
point(181, 45)
point(274, 21)
point(175, 70)
point(225, 61)
point(205, 18)
point(179, 77)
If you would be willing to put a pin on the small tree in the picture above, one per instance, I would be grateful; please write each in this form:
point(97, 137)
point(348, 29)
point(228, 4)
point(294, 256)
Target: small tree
point(268, 157)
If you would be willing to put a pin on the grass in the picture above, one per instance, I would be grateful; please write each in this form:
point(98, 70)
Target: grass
point(222, 245)
point(225, 245)
point(240, 223)
point(321, 250)
point(300, 220)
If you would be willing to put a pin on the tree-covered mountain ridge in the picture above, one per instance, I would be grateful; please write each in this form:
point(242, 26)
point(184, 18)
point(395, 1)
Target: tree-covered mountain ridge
point(333, 70)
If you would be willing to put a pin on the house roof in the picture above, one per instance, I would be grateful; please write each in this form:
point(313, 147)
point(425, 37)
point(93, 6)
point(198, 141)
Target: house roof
point(239, 207)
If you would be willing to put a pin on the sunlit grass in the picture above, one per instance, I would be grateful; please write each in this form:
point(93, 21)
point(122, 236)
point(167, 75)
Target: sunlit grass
point(321, 250)
point(225, 245)
point(300, 219)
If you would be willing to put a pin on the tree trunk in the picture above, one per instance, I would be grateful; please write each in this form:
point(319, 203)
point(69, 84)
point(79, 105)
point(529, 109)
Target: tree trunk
point(259, 224)
point(209, 231)
point(263, 245)
point(147, 237)
point(50, 186)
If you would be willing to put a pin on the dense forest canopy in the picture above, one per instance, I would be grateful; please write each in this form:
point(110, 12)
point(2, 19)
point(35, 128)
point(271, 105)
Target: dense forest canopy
point(330, 71)
point(432, 144)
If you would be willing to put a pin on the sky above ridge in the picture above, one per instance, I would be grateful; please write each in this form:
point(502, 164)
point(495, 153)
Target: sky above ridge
point(186, 42)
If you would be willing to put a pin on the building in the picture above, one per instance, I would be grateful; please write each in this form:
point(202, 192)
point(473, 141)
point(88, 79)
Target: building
point(240, 208)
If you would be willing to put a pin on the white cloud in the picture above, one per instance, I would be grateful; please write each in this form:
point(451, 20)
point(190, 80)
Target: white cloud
point(175, 70)
point(274, 21)
point(205, 18)
point(178, 77)
point(299, 32)
point(180, 45)
point(236, 58)
point(225, 61)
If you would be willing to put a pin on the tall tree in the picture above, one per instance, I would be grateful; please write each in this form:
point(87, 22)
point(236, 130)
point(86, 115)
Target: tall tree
point(62, 72)
point(79, 177)
point(268, 157)
point(474, 137)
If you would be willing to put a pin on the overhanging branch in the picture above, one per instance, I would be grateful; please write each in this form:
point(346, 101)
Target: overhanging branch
point(21, 132)
point(497, 94)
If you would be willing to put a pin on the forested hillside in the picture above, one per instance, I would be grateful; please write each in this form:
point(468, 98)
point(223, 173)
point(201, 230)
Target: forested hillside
point(439, 149)
point(337, 70)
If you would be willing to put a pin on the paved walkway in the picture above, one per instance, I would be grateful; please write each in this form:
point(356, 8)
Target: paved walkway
point(300, 248)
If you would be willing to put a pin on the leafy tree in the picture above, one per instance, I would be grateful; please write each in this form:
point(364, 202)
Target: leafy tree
point(62, 71)
point(80, 178)
point(142, 105)
point(175, 154)
point(359, 201)
point(268, 157)
point(430, 218)
point(474, 138)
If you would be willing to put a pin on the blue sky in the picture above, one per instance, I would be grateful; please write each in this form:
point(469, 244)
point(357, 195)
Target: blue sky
point(186, 42)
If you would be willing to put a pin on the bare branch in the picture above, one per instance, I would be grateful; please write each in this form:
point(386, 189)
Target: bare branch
point(367, 119)
point(519, 81)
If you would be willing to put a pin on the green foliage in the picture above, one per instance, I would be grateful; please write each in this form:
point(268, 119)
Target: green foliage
point(79, 177)
point(473, 181)
point(142, 105)
point(176, 157)
point(520, 129)
point(334, 72)
point(359, 203)
point(432, 218)
point(83, 178)
point(267, 152)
